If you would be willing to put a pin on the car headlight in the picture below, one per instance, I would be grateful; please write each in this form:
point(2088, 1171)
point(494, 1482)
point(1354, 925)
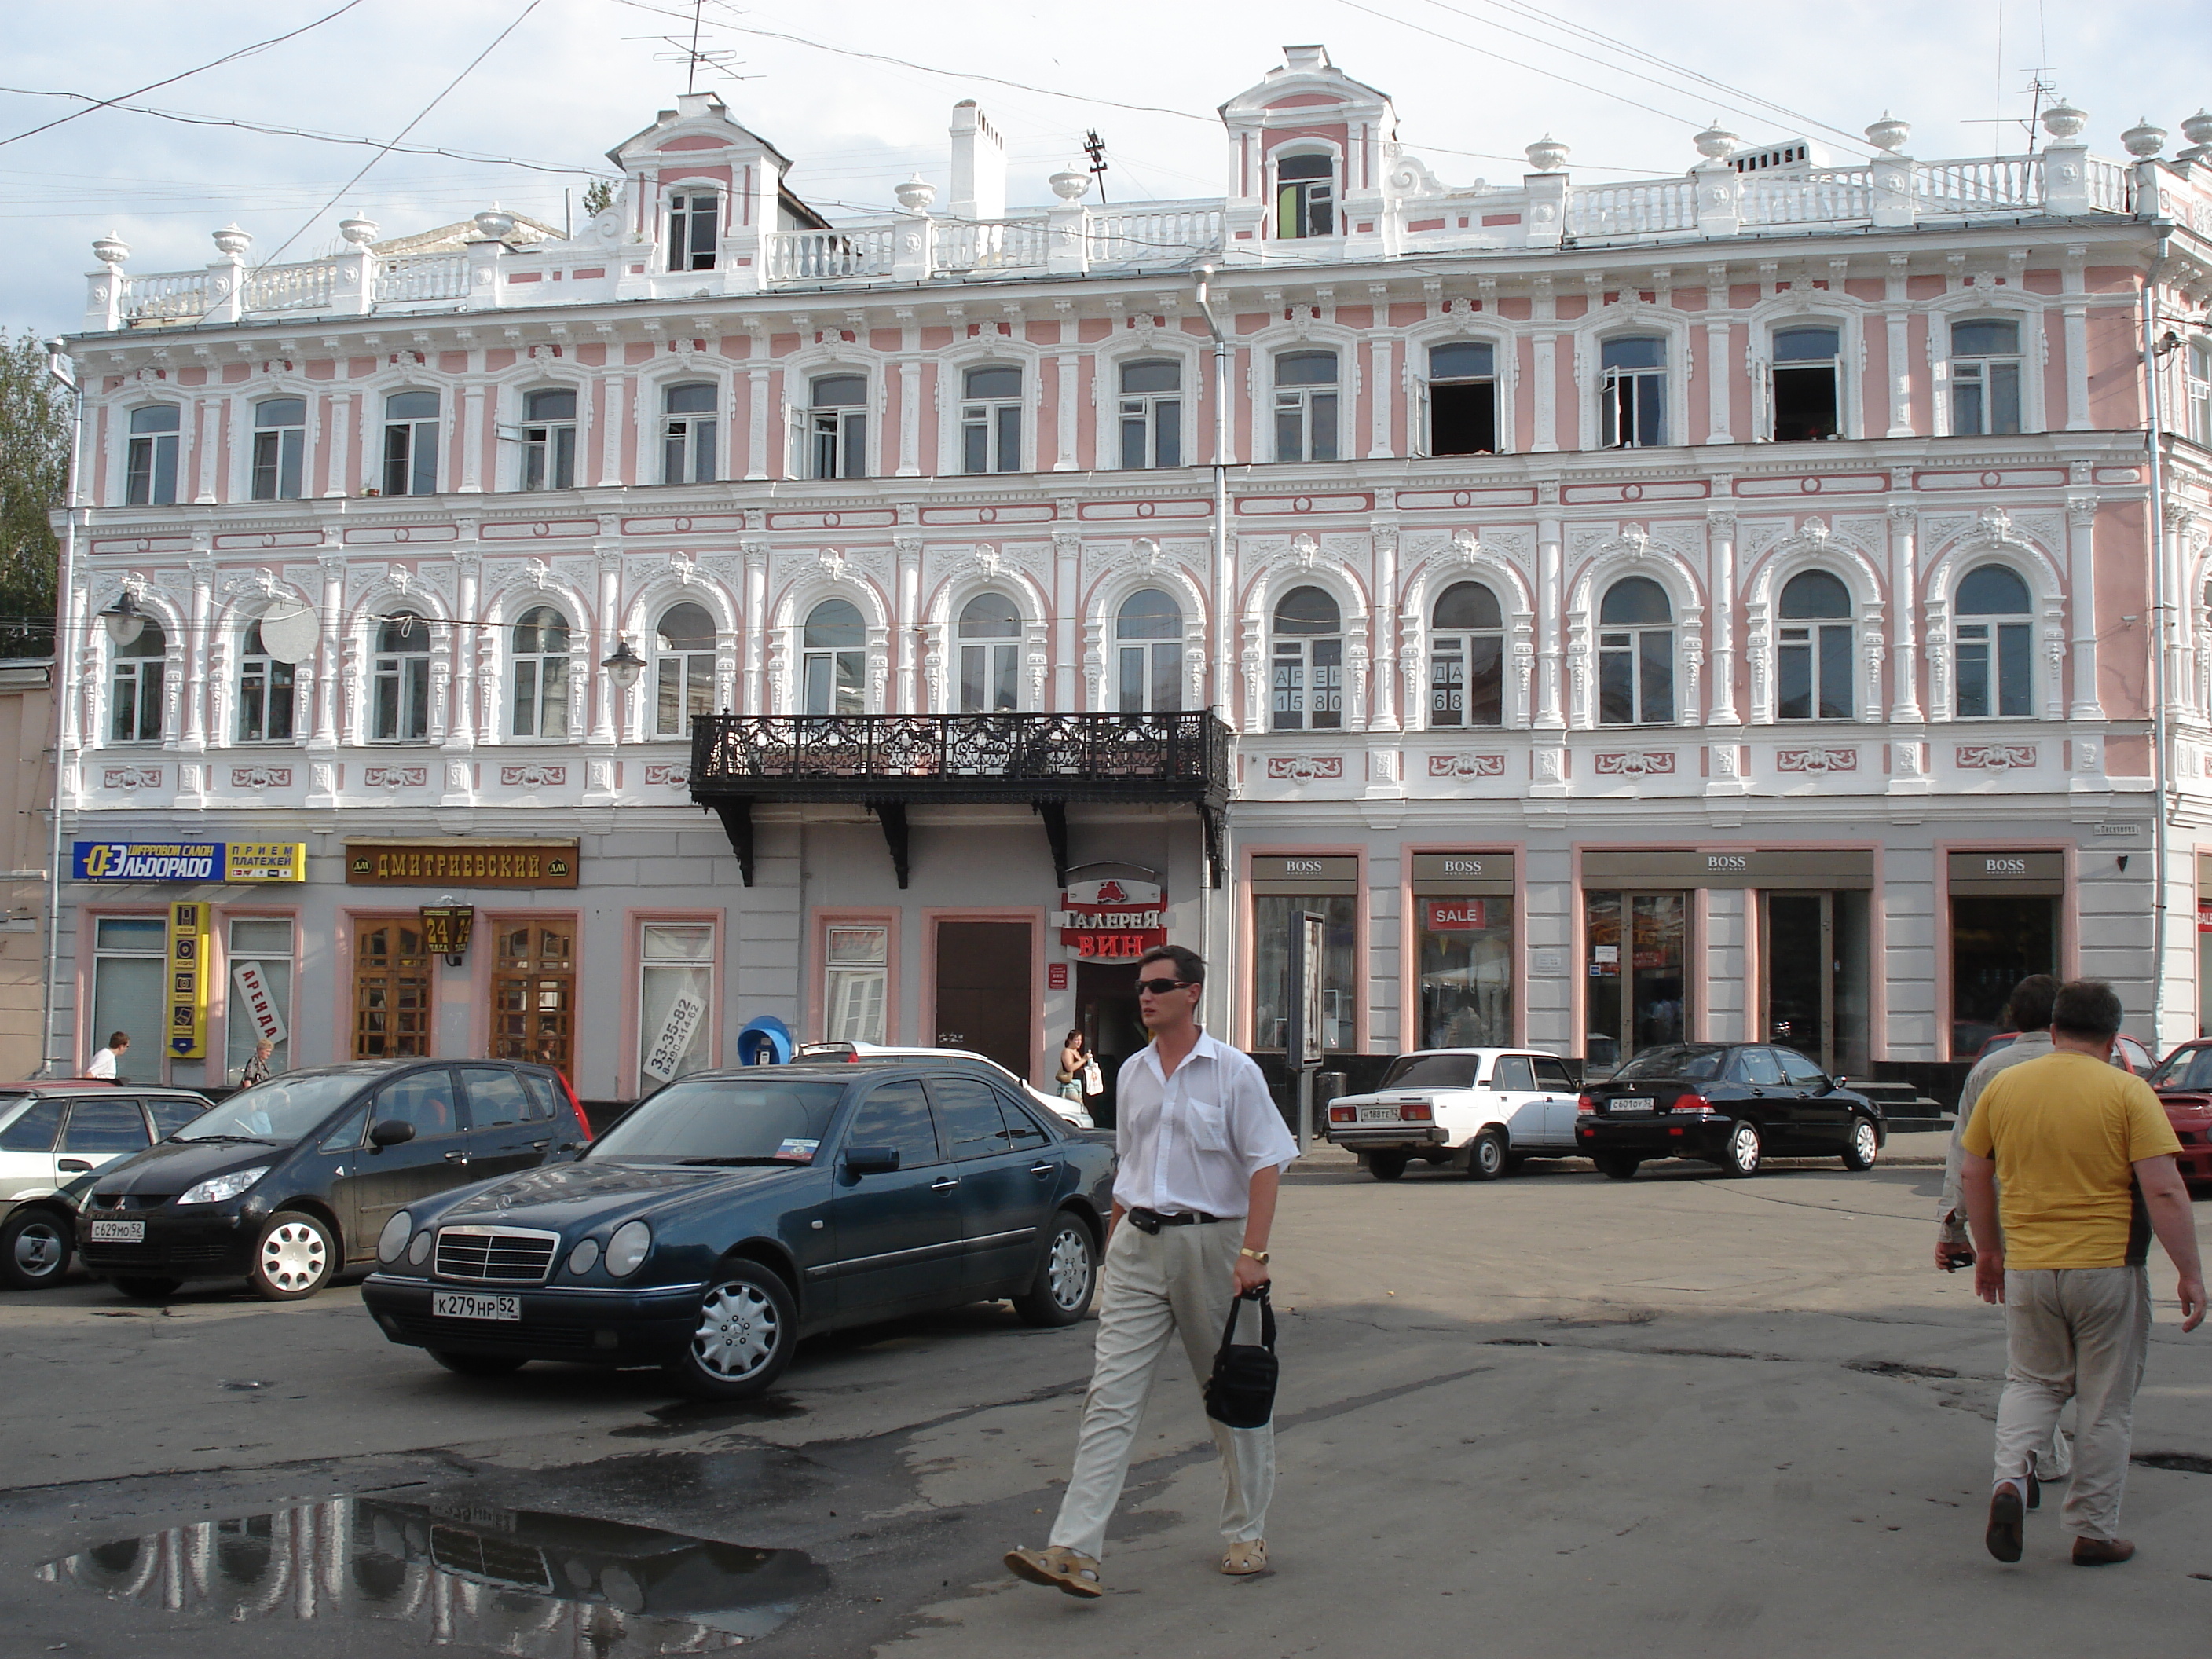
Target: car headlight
point(580, 1259)
point(215, 1189)
point(419, 1251)
point(627, 1247)
point(393, 1239)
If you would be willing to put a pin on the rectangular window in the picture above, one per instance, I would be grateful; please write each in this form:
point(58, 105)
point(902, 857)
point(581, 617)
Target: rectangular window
point(261, 993)
point(683, 685)
point(151, 464)
point(855, 975)
point(1309, 687)
point(1462, 397)
point(1638, 974)
point(129, 971)
point(1305, 424)
point(1467, 971)
point(1805, 384)
point(1273, 915)
point(991, 438)
point(280, 449)
point(1993, 669)
point(135, 699)
point(688, 434)
point(1816, 673)
point(1636, 676)
point(694, 223)
point(1632, 394)
point(548, 440)
point(675, 1000)
point(2199, 391)
point(1150, 678)
point(264, 699)
point(401, 699)
point(841, 444)
point(1151, 414)
point(1466, 680)
point(411, 443)
point(990, 678)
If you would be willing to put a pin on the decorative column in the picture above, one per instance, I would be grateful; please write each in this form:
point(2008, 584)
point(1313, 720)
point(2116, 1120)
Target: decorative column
point(611, 435)
point(756, 692)
point(1382, 705)
point(2076, 318)
point(326, 711)
point(604, 729)
point(1382, 390)
point(910, 426)
point(1720, 363)
point(335, 484)
point(1899, 317)
point(196, 656)
point(906, 667)
point(472, 435)
point(1546, 367)
point(1720, 537)
point(207, 442)
point(1550, 712)
point(1069, 376)
point(756, 452)
point(1066, 597)
point(1904, 592)
point(461, 729)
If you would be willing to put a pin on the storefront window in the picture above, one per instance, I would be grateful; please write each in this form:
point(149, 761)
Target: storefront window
point(856, 972)
point(261, 993)
point(1467, 972)
point(1815, 948)
point(130, 955)
point(676, 990)
point(1636, 965)
point(1273, 916)
point(2004, 927)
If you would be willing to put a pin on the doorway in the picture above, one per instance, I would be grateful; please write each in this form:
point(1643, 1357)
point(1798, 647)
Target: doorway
point(986, 1000)
point(1638, 946)
point(1106, 1014)
point(533, 993)
point(391, 990)
point(1814, 949)
point(1996, 941)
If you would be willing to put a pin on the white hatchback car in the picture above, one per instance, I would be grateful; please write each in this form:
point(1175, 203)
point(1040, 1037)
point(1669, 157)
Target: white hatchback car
point(1071, 1112)
point(1481, 1110)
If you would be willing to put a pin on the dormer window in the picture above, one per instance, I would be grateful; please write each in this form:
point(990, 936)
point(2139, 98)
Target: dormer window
point(1305, 196)
point(694, 225)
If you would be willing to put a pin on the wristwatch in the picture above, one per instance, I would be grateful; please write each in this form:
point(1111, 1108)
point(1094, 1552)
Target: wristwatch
point(1260, 1256)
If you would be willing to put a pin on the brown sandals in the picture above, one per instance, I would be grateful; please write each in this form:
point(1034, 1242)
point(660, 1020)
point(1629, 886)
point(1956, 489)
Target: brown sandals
point(1062, 1569)
point(1245, 1558)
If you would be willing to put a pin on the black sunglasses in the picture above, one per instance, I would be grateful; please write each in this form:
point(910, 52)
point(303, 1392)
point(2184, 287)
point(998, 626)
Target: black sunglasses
point(1160, 987)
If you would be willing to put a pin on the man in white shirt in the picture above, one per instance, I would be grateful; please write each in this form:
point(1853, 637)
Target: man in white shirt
point(103, 1063)
point(1202, 1150)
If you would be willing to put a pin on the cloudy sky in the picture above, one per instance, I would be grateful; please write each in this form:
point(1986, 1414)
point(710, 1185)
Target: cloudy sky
point(858, 92)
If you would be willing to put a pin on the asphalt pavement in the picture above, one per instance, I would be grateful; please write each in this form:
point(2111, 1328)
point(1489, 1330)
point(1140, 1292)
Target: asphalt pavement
point(1551, 1415)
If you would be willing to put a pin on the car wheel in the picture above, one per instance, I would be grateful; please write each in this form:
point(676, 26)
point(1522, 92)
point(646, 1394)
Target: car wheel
point(1617, 1166)
point(747, 1328)
point(294, 1259)
point(478, 1364)
point(1486, 1155)
point(1385, 1166)
point(35, 1248)
point(147, 1289)
point(1741, 1155)
point(1864, 1146)
point(1066, 1275)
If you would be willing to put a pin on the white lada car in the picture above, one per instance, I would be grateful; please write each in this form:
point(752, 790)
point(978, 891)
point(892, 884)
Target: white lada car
point(1480, 1110)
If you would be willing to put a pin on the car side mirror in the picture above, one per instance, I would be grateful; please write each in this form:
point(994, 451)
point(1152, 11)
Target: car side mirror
point(871, 1160)
point(390, 1131)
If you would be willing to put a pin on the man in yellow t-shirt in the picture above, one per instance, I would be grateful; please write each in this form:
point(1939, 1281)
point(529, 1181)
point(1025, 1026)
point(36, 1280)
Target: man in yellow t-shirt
point(2085, 1156)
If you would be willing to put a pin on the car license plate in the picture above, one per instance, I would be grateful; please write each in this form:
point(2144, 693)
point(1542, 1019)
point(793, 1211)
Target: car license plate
point(1378, 1114)
point(1633, 1103)
point(118, 1232)
point(466, 1304)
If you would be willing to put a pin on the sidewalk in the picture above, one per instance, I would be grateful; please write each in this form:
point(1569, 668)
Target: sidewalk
point(1912, 1150)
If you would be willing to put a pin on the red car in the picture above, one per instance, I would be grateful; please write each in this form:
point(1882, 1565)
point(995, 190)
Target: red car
point(2184, 1082)
point(2127, 1054)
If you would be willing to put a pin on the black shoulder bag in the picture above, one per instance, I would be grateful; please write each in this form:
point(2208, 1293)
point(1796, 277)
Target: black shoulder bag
point(1241, 1393)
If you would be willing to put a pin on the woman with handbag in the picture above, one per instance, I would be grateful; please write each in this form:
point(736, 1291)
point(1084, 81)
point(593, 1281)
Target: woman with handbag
point(1074, 1060)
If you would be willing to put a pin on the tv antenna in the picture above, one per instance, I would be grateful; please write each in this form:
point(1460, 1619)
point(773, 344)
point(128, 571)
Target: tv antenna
point(691, 55)
point(1095, 148)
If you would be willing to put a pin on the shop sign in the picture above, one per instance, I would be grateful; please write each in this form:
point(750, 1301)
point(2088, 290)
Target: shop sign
point(188, 986)
point(2023, 873)
point(188, 861)
point(1112, 920)
point(1454, 916)
point(257, 1002)
point(463, 863)
point(1305, 876)
point(1812, 867)
point(445, 929)
point(1463, 872)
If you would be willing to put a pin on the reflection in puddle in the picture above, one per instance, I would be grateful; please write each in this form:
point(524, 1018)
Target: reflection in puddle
point(517, 1581)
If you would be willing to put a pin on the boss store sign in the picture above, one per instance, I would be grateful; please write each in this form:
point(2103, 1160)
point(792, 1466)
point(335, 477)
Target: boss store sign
point(1460, 892)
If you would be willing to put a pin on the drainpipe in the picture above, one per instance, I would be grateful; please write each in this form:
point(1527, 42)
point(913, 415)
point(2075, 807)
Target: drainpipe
point(2162, 613)
point(62, 684)
point(1225, 606)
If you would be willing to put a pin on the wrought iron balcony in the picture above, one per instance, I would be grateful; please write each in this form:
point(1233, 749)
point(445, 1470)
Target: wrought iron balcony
point(891, 762)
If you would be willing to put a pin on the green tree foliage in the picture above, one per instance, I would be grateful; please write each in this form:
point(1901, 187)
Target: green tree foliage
point(35, 453)
point(598, 196)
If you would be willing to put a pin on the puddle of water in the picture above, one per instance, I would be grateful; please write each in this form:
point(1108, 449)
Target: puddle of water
point(691, 1416)
point(521, 1582)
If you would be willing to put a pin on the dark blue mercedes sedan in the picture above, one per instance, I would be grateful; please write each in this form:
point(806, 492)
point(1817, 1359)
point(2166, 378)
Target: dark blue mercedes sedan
point(734, 1212)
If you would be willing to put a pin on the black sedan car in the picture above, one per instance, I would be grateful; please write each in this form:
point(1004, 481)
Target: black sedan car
point(1732, 1103)
point(734, 1212)
point(289, 1181)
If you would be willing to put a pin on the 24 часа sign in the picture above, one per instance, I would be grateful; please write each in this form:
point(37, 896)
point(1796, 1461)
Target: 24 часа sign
point(191, 860)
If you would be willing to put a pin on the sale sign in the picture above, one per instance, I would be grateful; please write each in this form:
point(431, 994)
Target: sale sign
point(1112, 920)
point(1457, 915)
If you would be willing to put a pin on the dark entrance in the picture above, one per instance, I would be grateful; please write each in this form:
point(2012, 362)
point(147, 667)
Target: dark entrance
point(986, 998)
point(1106, 1011)
point(1996, 941)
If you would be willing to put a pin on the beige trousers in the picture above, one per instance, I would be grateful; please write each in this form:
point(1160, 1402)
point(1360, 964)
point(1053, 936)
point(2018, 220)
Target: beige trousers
point(2078, 1333)
point(1178, 1281)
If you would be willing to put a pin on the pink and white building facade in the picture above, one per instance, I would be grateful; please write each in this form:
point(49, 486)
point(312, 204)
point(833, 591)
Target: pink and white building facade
point(1768, 602)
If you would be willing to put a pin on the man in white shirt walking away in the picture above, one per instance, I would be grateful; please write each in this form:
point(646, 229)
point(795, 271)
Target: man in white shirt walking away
point(103, 1063)
point(1202, 1150)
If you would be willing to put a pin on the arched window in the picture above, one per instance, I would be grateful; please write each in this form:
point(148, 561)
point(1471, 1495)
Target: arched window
point(280, 449)
point(1816, 648)
point(1309, 662)
point(411, 443)
point(682, 669)
point(687, 429)
point(694, 223)
point(1635, 654)
point(833, 659)
point(1467, 657)
point(1305, 196)
point(541, 673)
point(1463, 390)
point(991, 420)
point(1632, 393)
point(264, 691)
point(1148, 641)
point(549, 439)
point(1996, 648)
point(1151, 413)
point(990, 656)
point(1807, 383)
point(1305, 406)
point(135, 690)
point(150, 465)
point(399, 708)
point(1984, 378)
point(838, 427)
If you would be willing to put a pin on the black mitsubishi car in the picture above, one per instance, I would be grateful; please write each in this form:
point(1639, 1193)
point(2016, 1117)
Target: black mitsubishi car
point(1731, 1103)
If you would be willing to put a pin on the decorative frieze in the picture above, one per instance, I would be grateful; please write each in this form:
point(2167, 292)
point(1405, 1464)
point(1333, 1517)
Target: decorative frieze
point(533, 776)
point(1994, 757)
point(1466, 766)
point(1634, 764)
point(1305, 768)
point(668, 775)
point(261, 777)
point(394, 777)
point(129, 778)
point(1816, 760)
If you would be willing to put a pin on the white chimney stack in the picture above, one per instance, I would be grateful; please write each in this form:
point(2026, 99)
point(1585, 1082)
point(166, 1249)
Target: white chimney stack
point(978, 165)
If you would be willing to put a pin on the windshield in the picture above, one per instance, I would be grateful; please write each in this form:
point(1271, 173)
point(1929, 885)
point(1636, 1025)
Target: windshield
point(2190, 1068)
point(278, 1112)
point(1675, 1060)
point(726, 1120)
point(1431, 1072)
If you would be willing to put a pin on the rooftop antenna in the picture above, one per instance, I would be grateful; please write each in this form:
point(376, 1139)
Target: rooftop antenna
point(1095, 147)
point(2041, 90)
point(691, 55)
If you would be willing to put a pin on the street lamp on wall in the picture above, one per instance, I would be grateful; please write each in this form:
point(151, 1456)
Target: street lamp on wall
point(623, 665)
point(124, 620)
